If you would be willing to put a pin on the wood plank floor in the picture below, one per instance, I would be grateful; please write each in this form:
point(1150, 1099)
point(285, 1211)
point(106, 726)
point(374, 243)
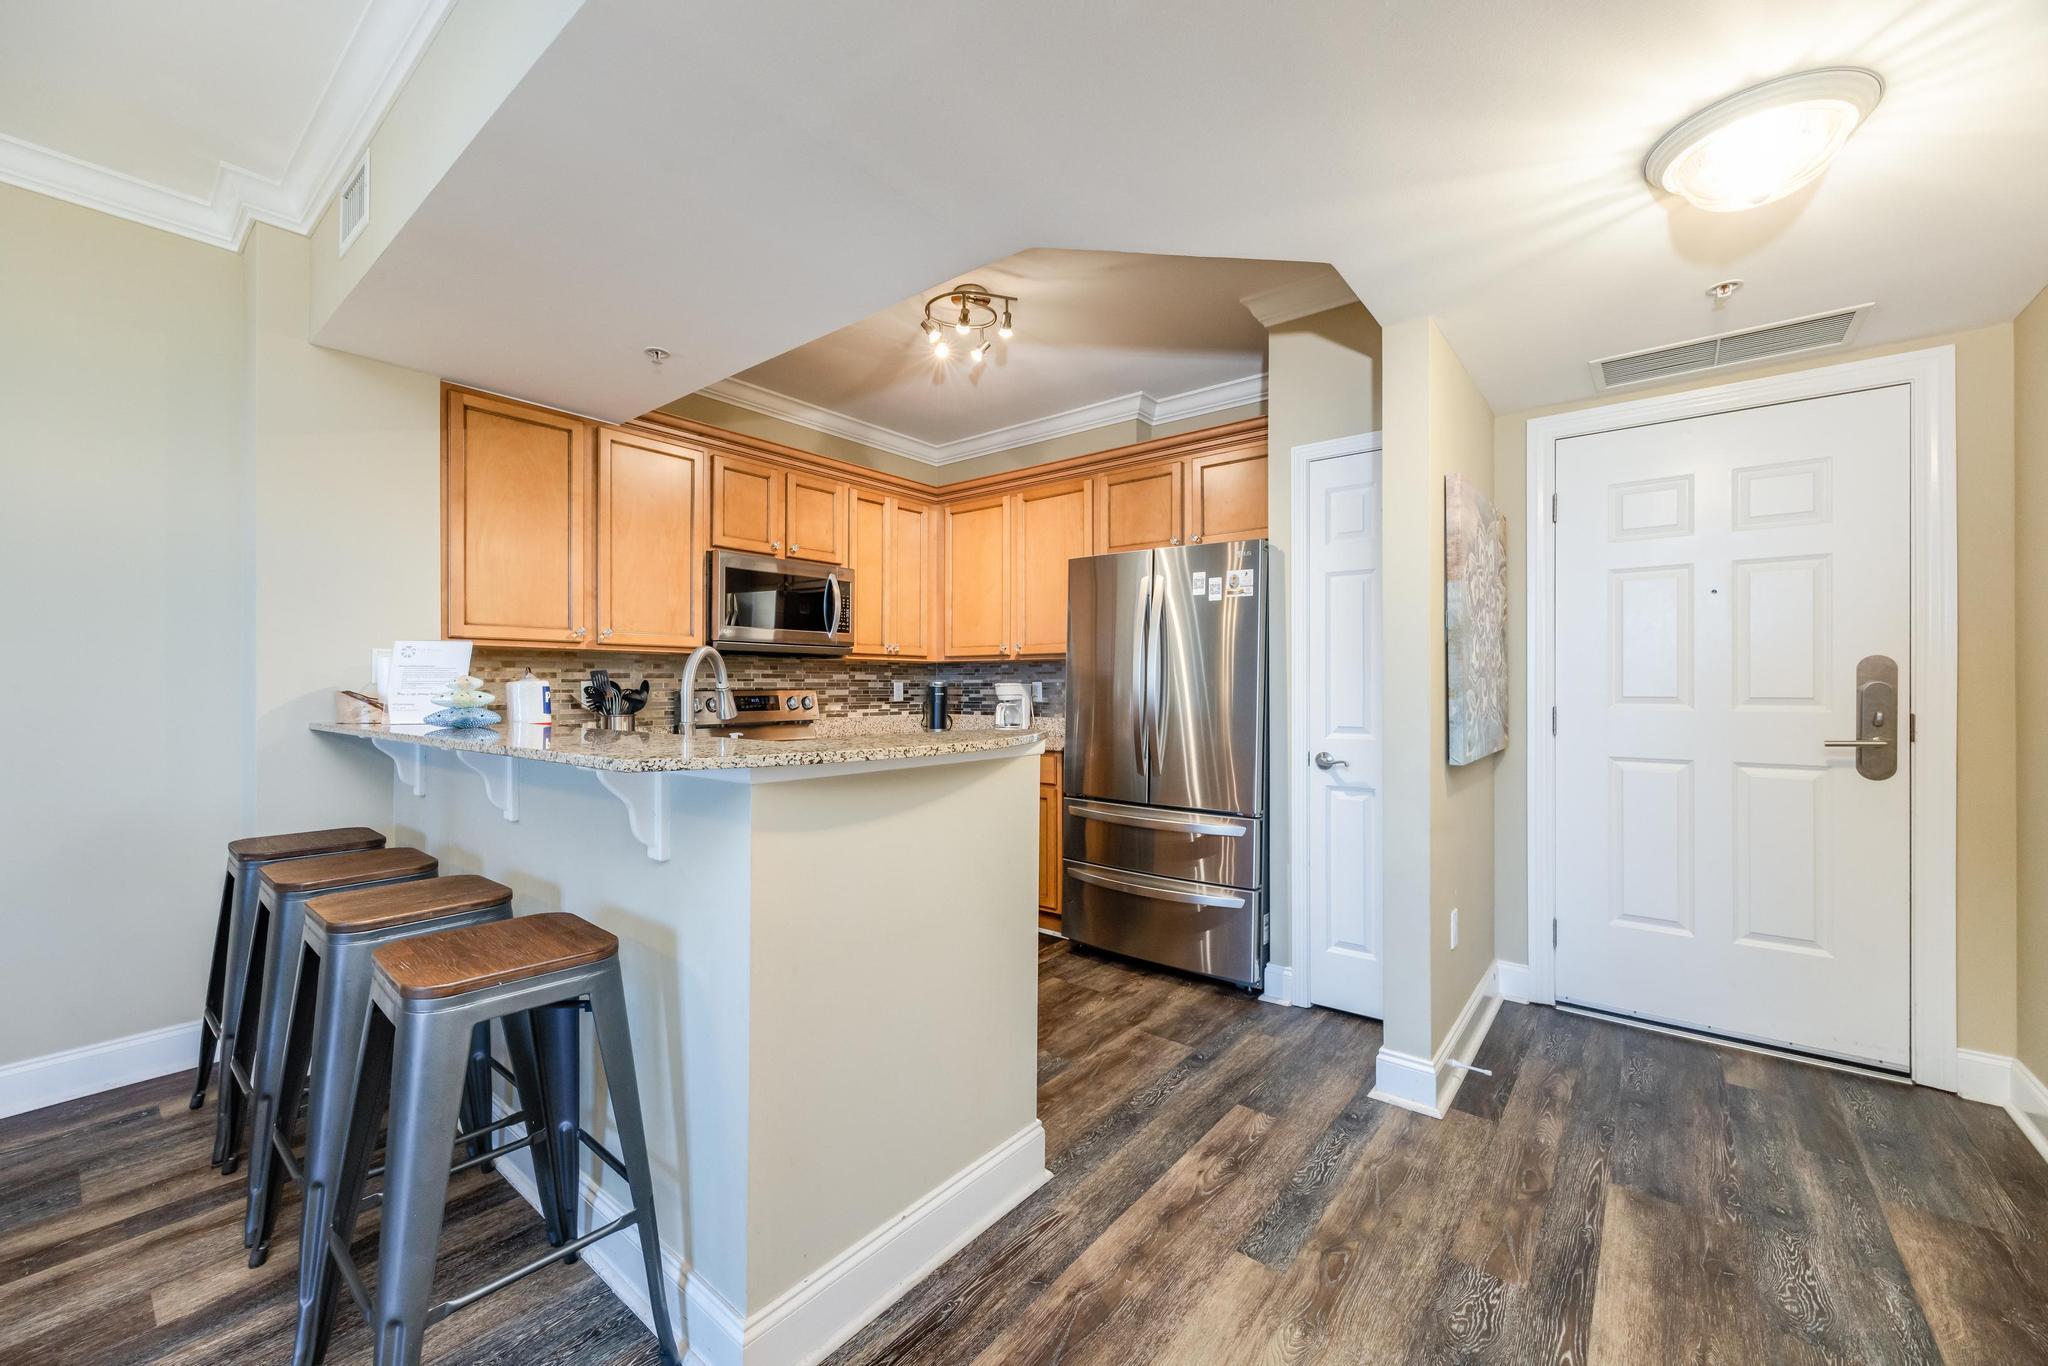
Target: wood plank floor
point(1223, 1191)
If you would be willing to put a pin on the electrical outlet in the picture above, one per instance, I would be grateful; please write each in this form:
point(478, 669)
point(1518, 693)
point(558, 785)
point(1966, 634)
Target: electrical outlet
point(896, 690)
point(1454, 927)
point(1038, 690)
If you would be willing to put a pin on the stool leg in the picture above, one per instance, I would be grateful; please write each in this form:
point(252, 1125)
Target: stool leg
point(476, 1093)
point(339, 1020)
point(280, 985)
point(214, 1014)
point(526, 1071)
point(615, 1044)
point(267, 1173)
point(426, 1091)
point(234, 1099)
point(561, 1065)
point(366, 1114)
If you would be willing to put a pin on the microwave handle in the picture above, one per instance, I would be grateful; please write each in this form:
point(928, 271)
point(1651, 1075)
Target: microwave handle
point(832, 611)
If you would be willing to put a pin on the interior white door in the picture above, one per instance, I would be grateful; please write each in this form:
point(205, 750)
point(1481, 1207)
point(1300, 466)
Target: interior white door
point(1341, 559)
point(1718, 866)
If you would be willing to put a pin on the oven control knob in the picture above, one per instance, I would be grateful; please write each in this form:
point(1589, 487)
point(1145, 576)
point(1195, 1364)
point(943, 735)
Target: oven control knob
point(809, 702)
point(789, 703)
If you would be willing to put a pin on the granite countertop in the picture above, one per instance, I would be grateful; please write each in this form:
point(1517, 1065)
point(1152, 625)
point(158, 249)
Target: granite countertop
point(654, 749)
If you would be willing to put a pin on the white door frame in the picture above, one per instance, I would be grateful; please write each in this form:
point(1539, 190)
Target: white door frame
point(1298, 461)
point(1931, 375)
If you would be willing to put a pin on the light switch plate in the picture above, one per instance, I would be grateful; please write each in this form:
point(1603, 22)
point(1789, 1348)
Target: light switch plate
point(896, 690)
point(1454, 927)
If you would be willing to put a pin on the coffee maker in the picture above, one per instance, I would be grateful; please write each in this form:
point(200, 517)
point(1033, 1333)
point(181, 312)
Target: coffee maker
point(1013, 707)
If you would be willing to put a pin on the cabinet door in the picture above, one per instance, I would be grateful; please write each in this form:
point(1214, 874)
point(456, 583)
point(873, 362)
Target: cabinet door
point(746, 504)
point(653, 527)
point(1138, 507)
point(516, 545)
point(1049, 851)
point(867, 555)
point(817, 518)
point(977, 579)
point(1053, 525)
point(909, 605)
point(1227, 496)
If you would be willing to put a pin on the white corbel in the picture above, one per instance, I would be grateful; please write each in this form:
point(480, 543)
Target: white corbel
point(646, 799)
point(406, 759)
point(501, 779)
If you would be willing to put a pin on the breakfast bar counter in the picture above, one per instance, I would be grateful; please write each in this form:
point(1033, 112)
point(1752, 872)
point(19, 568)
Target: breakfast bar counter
point(828, 948)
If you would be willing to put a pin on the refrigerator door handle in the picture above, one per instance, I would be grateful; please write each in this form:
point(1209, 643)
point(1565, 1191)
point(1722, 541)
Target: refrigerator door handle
point(1158, 820)
point(1155, 634)
point(1141, 696)
point(1153, 891)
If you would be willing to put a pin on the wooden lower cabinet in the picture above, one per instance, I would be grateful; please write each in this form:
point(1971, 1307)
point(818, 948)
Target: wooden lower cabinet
point(1050, 856)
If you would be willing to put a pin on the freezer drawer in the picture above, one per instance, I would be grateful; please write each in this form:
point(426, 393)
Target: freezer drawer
point(1212, 930)
point(1188, 845)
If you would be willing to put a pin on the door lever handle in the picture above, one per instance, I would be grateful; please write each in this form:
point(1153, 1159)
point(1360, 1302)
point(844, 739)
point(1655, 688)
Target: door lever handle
point(1324, 760)
point(1854, 744)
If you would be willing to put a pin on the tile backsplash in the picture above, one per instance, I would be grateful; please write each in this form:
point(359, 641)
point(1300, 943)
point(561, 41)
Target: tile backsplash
point(845, 687)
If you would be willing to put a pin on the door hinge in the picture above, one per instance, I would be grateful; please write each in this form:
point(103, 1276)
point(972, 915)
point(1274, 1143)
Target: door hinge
point(1912, 728)
point(1553, 720)
point(1553, 509)
point(1553, 934)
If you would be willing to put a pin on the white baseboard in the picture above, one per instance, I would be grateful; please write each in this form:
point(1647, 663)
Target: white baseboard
point(2009, 1084)
point(1514, 981)
point(834, 1302)
point(1280, 986)
point(1428, 1085)
point(55, 1078)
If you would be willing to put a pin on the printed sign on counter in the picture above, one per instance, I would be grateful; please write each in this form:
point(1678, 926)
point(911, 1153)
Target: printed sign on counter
point(422, 670)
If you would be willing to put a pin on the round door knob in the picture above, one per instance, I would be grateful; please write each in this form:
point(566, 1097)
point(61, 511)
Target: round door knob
point(1325, 760)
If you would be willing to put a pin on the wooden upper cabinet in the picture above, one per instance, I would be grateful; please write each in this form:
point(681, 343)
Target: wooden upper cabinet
point(516, 542)
point(1227, 496)
point(977, 578)
point(817, 518)
point(908, 607)
point(653, 528)
point(867, 555)
point(746, 504)
point(1138, 507)
point(1054, 524)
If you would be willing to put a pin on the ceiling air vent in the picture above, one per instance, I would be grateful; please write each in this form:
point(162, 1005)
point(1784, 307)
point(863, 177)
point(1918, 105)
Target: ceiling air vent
point(355, 203)
point(1821, 332)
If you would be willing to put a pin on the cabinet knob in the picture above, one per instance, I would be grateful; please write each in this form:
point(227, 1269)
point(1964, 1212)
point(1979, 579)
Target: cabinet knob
point(1174, 541)
point(794, 547)
point(1194, 540)
point(605, 634)
point(577, 633)
point(775, 546)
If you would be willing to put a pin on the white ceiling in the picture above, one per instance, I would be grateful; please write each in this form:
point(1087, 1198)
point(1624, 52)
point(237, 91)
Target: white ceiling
point(794, 169)
point(200, 117)
point(1100, 336)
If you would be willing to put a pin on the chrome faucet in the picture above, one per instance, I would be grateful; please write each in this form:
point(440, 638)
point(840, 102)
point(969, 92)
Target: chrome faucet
point(686, 695)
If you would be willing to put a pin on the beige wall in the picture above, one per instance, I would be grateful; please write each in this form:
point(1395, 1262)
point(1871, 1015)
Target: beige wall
point(1322, 382)
point(1438, 821)
point(733, 418)
point(342, 493)
point(1986, 767)
point(2030, 395)
point(120, 543)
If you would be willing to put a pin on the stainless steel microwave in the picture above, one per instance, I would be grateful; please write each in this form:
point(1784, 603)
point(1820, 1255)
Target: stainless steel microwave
point(797, 607)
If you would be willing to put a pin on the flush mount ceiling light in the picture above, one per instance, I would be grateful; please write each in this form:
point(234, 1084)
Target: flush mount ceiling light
point(967, 310)
point(1765, 142)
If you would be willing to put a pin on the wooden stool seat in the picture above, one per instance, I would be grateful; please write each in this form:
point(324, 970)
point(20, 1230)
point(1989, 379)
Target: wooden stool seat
point(455, 962)
point(305, 844)
point(383, 908)
point(339, 870)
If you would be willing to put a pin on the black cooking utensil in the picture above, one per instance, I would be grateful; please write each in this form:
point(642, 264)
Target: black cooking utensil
point(631, 701)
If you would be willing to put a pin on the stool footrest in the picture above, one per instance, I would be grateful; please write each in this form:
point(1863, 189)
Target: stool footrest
point(516, 1117)
point(604, 1154)
point(562, 1253)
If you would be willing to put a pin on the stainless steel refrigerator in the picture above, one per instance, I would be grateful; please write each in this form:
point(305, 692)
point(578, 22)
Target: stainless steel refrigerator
point(1165, 769)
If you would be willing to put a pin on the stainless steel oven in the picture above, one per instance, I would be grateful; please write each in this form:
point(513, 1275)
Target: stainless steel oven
point(797, 607)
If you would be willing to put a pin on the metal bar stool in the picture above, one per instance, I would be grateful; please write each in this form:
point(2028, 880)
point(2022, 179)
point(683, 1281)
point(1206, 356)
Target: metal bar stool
point(229, 968)
point(426, 993)
point(275, 934)
point(324, 1027)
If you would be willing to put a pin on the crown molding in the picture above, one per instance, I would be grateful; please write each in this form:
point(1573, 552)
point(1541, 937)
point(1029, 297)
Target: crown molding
point(1141, 407)
point(1299, 298)
point(381, 53)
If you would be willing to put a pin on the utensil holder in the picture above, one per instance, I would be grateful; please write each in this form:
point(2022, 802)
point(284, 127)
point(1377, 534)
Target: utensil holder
point(618, 723)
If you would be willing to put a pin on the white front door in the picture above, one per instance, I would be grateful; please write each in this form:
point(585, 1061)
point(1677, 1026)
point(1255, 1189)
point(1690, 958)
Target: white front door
point(1719, 580)
point(1341, 650)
